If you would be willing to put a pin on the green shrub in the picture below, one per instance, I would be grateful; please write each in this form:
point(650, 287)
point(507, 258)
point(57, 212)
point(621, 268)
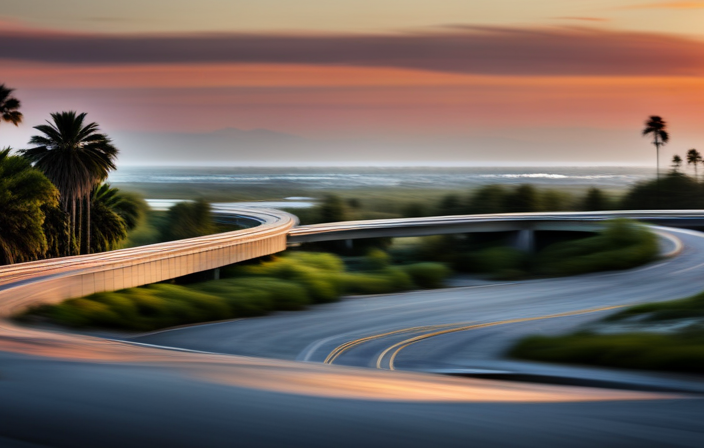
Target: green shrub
point(497, 260)
point(672, 309)
point(427, 275)
point(675, 352)
point(359, 283)
point(323, 261)
point(622, 245)
point(284, 295)
point(290, 282)
point(381, 282)
point(376, 260)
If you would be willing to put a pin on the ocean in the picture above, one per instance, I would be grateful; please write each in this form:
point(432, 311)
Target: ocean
point(360, 177)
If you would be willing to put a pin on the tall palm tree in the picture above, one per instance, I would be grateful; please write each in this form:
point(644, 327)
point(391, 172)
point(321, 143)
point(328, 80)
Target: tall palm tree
point(9, 106)
point(656, 126)
point(24, 192)
point(76, 157)
point(694, 158)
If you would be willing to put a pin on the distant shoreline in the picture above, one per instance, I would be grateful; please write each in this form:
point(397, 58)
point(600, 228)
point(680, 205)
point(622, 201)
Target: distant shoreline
point(227, 184)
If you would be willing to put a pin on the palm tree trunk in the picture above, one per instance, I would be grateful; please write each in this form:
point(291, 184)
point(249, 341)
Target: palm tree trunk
point(81, 246)
point(657, 164)
point(72, 230)
point(88, 201)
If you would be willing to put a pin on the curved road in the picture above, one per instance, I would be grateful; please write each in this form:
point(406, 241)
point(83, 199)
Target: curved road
point(60, 389)
point(444, 328)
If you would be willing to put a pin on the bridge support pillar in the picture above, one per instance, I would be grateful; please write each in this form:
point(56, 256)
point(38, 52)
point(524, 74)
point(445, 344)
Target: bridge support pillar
point(216, 274)
point(349, 244)
point(524, 240)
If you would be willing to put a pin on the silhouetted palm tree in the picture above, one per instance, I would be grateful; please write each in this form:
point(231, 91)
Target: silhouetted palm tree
point(109, 228)
point(656, 126)
point(676, 163)
point(130, 207)
point(694, 158)
point(9, 106)
point(75, 157)
point(24, 191)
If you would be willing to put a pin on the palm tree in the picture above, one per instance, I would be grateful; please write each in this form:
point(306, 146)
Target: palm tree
point(9, 106)
point(109, 226)
point(129, 206)
point(676, 163)
point(76, 157)
point(694, 158)
point(24, 192)
point(656, 126)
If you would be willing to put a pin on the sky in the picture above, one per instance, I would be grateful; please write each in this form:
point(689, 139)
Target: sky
point(278, 82)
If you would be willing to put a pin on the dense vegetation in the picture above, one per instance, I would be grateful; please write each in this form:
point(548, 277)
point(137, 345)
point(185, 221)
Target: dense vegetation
point(622, 244)
point(485, 199)
point(680, 349)
point(290, 282)
point(25, 194)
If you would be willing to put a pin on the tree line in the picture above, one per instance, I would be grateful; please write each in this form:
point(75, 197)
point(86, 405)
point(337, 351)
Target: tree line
point(53, 195)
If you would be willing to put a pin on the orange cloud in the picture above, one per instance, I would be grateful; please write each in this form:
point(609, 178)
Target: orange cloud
point(348, 100)
point(40, 75)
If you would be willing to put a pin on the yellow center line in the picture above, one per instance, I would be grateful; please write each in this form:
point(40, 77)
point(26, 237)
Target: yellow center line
point(403, 344)
point(351, 344)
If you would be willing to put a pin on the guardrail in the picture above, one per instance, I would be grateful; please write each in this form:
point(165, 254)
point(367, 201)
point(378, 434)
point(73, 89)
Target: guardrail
point(584, 221)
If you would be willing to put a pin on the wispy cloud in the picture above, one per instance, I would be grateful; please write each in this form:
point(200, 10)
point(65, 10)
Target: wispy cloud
point(584, 19)
point(667, 5)
point(107, 19)
point(461, 49)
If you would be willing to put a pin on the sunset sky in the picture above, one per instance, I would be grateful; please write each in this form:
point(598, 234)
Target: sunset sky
point(371, 81)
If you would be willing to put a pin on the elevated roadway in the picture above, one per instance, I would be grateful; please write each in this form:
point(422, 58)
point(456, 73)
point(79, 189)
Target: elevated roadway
point(500, 222)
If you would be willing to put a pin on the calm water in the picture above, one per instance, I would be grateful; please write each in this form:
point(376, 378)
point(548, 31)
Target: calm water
point(345, 177)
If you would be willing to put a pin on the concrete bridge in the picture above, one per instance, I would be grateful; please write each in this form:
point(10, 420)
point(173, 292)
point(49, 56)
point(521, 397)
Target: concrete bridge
point(523, 226)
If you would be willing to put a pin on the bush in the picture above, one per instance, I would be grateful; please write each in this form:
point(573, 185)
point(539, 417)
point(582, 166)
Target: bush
point(679, 352)
point(377, 283)
point(497, 260)
point(622, 245)
point(283, 295)
point(376, 260)
point(427, 275)
point(290, 282)
point(672, 309)
point(188, 220)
